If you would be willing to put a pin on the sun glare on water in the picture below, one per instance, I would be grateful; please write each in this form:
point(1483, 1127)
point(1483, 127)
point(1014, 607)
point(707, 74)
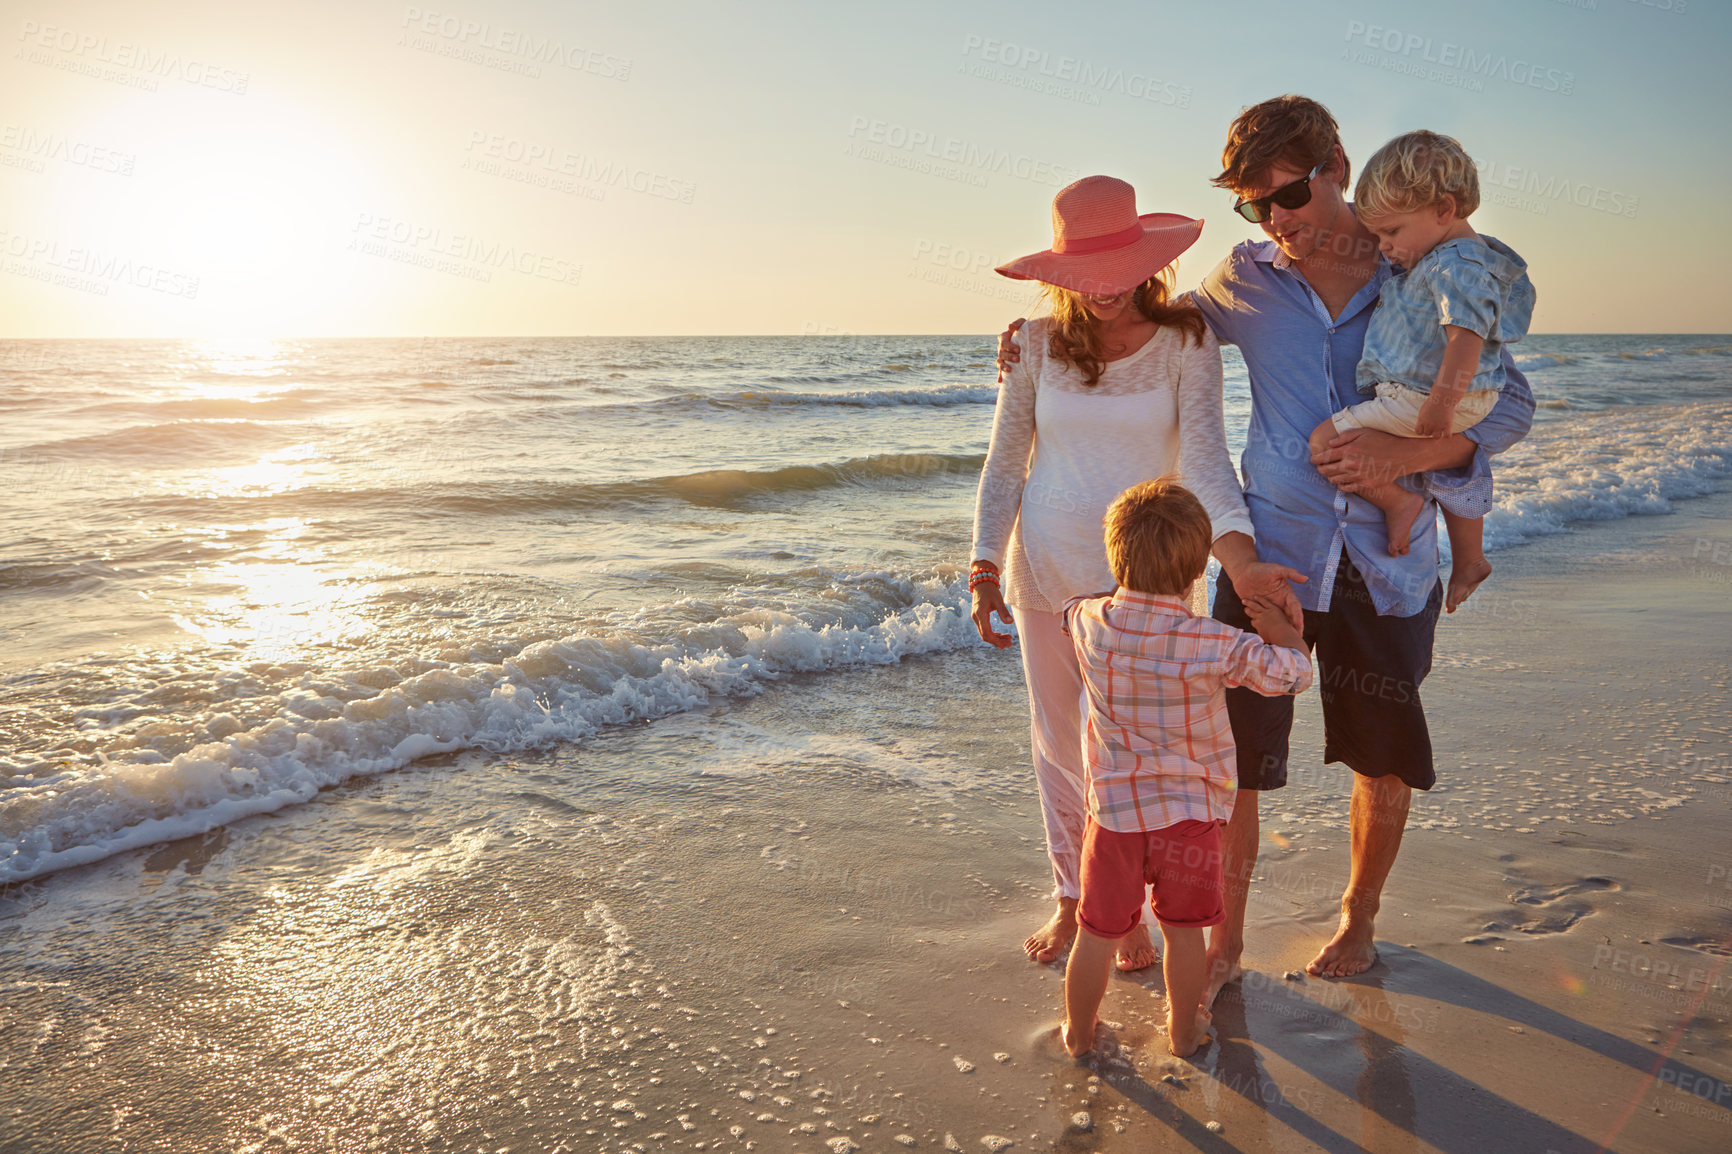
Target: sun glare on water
point(278, 600)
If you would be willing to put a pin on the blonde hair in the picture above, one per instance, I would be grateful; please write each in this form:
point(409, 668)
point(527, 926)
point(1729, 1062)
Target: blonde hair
point(1414, 171)
point(1075, 337)
point(1158, 537)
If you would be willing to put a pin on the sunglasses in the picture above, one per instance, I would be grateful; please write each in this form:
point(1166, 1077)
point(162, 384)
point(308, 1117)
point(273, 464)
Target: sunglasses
point(1288, 196)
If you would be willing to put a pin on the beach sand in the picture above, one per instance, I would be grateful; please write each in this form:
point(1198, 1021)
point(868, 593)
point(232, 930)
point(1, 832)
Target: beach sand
point(791, 923)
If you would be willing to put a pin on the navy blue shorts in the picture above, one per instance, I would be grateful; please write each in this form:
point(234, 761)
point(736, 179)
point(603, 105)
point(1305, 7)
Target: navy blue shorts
point(1368, 672)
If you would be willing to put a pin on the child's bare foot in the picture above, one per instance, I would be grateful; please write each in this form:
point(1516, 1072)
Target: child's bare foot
point(1050, 940)
point(1399, 517)
point(1136, 950)
point(1465, 575)
point(1184, 1039)
point(1077, 1042)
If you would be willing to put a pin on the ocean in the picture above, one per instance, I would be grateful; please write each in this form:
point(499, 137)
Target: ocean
point(235, 574)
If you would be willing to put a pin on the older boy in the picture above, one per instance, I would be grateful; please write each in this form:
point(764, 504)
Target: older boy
point(1161, 771)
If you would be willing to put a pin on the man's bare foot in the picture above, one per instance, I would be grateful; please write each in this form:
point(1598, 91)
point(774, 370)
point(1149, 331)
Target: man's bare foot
point(1398, 520)
point(1051, 940)
point(1077, 1042)
point(1349, 952)
point(1220, 970)
point(1136, 950)
point(1184, 1039)
point(1465, 575)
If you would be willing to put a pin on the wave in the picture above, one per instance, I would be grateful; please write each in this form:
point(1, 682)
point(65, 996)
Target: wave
point(1528, 362)
point(300, 402)
point(170, 440)
point(711, 488)
point(548, 693)
point(53, 576)
point(746, 400)
point(942, 396)
point(1606, 465)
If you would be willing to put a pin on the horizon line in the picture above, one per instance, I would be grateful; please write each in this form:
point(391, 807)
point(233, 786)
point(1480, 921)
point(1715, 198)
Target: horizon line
point(667, 336)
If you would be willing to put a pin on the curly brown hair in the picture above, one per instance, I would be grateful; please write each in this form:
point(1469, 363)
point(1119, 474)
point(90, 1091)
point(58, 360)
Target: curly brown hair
point(1295, 131)
point(1075, 338)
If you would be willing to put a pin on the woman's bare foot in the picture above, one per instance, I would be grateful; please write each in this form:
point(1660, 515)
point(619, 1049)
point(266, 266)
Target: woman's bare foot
point(1218, 971)
point(1465, 575)
point(1077, 1042)
point(1349, 952)
point(1398, 518)
point(1184, 1039)
point(1136, 950)
point(1051, 940)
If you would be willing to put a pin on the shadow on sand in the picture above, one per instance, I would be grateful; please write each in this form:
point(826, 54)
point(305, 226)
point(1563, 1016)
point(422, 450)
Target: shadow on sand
point(1333, 1040)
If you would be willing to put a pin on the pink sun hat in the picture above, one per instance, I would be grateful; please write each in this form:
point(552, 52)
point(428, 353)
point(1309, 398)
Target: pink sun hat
point(1100, 245)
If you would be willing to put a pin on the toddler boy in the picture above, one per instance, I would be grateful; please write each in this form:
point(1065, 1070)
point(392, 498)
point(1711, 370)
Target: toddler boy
point(1434, 349)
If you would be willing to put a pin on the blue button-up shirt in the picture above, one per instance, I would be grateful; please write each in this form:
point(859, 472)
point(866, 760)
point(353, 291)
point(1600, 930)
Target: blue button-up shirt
point(1301, 362)
point(1475, 283)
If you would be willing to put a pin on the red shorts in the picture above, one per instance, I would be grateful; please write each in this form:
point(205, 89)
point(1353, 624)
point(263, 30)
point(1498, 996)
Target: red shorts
point(1182, 862)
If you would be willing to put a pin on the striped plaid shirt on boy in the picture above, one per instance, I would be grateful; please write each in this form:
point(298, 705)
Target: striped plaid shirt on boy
point(1158, 744)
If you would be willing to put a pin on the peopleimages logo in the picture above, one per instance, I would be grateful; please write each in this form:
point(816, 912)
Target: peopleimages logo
point(457, 253)
point(1533, 191)
point(427, 29)
point(885, 141)
point(89, 269)
point(41, 146)
point(1071, 76)
point(562, 162)
point(1450, 62)
point(88, 53)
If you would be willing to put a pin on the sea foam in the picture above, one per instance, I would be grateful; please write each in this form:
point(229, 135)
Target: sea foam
point(551, 692)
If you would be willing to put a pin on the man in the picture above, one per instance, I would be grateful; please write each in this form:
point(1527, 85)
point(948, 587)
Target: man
point(1297, 305)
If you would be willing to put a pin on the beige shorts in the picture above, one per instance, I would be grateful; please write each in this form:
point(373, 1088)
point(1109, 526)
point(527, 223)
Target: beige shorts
point(1396, 410)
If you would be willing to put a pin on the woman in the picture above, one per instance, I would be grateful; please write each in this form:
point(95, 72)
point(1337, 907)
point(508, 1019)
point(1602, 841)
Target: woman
point(1116, 386)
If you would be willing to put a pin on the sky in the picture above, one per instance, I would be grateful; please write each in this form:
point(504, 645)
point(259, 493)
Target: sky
point(458, 167)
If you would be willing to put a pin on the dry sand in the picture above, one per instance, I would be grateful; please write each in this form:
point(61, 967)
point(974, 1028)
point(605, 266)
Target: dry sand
point(793, 924)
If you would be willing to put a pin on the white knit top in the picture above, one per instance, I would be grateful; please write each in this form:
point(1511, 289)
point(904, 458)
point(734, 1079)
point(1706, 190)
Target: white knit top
point(1062, 451)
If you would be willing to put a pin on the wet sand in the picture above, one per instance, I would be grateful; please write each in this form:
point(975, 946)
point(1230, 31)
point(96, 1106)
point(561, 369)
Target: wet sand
point(788, 924)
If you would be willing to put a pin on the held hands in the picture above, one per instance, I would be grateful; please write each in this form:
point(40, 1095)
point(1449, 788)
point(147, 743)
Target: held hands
point(1008, 353)
point(1263, 587)
point(988, 599)
point(1274, 626)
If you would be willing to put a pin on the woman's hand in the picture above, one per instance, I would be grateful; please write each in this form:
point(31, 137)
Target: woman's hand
point(1008, 353)
point(989, 599)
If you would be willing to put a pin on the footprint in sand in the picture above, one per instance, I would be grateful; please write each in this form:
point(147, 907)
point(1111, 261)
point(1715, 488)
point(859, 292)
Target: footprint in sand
point(1561, 914)
point(1712, 946)
point(1540, 897)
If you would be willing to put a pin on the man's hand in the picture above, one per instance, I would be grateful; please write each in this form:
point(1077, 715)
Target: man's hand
point(988, 599)
point(1265, 584)
point(1434, 417)
point(1008, 353)
point(1362, 459)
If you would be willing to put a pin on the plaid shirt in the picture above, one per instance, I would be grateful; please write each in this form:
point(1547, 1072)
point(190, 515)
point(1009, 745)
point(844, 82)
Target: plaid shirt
point(1159, 748)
